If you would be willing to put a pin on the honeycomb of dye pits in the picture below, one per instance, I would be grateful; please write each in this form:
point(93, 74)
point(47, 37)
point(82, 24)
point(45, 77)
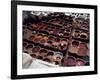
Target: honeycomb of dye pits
point(56, 29)
point(42, 39)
